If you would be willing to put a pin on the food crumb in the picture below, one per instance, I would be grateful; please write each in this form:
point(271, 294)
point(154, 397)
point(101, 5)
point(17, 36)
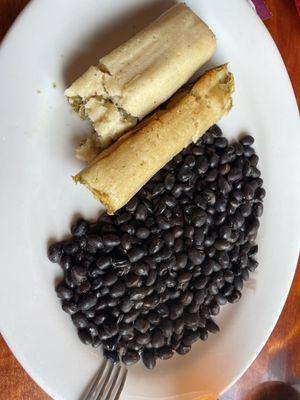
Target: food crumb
point(39, 91)
point(54, 85)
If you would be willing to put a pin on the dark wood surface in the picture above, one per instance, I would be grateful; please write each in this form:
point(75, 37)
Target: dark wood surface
point(278, 364)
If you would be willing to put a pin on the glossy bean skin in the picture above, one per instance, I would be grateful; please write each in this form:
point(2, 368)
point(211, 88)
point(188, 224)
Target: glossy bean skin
point(148, 281)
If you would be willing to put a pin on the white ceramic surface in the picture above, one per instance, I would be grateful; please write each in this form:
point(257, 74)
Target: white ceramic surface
point(53, 41)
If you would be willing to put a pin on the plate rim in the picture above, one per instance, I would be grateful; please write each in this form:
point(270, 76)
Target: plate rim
point(9, 341)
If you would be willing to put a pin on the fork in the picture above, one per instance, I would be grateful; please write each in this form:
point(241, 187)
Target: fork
point(108, 384)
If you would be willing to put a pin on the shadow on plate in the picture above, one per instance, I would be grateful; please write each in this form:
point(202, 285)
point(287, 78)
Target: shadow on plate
point(109, 37)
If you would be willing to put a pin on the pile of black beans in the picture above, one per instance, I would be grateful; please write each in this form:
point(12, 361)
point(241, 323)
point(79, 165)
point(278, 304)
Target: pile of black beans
point(147, 282)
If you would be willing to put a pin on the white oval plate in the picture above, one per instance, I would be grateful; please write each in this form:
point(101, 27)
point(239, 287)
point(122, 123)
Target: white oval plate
point(50, 45)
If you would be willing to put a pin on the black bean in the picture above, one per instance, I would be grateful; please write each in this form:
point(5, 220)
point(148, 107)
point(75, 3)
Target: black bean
point(190, 337)
point(158, 189)
point(142, 325)
point(169, 181)
point(79, 274)
point(143, 338)
point(64, 292)
point(199, 296)
point(159, 286)
point(221, 142)
point(141, 212)
point(109, 278)
point(177, 232)
point(168, 239)
point(102, 302)
point(80, 320)
point(85, 336)
point(153, 317)
point(80, 227)
point(208, 267)
point(202, 165)
point(221, 300)
point(65, 262)
point(211, 326)
point(112, 356)
point(222, 244)
point(150, 302)
point(149, 359)
point(142, 233)
point(234, 174)
point(138, 293)
point(55, 253)
point(176, 310)
point(225, 232)
point(184, 173)
point(260, 193)
point(70, 247)
point(110, 327)
point(164, 353)
point(132, 280)
point(163, 310)
point(212, 174)
point(151, 278)
point(186, 298)
point(189, 231)
point(252, 265)
point(87, 301)
point(84, 287)
point(126, 241)
point(190, 319)
point(196, 256)
point(155, 245)
point(99, 318)
point(117, 290)
point(248, 191)
point(234, 296)
point(112, 301)
point(140, 269)
point(128, 228)
point(183, 349)
point(111, 240)
point(130, 357)
point(123, 217)
point(245, 274)
point(245, 209)
point(258, 210)
point(200, 282)
point(181, 261)
point(220, 217)
point(247, 140)
point(166, 326)
point(253, 160)
point(253, 226)
point(238, 283)
point(70, 307)
point(103, 262)
point(213, 289)
point(248, 151)
point(111, 343)
point(94, 242)
point(157, 339)
point(184, 276)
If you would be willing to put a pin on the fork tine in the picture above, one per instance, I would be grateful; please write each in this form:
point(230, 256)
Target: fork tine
point(121, 384)
point(96, 381)
point(111, 384)
point(102, 384)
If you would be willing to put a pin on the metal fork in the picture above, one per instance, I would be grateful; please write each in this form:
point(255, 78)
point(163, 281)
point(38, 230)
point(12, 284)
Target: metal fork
point(108, 383)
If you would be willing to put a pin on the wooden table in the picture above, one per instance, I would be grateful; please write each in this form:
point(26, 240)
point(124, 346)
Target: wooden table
point(280, 358)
